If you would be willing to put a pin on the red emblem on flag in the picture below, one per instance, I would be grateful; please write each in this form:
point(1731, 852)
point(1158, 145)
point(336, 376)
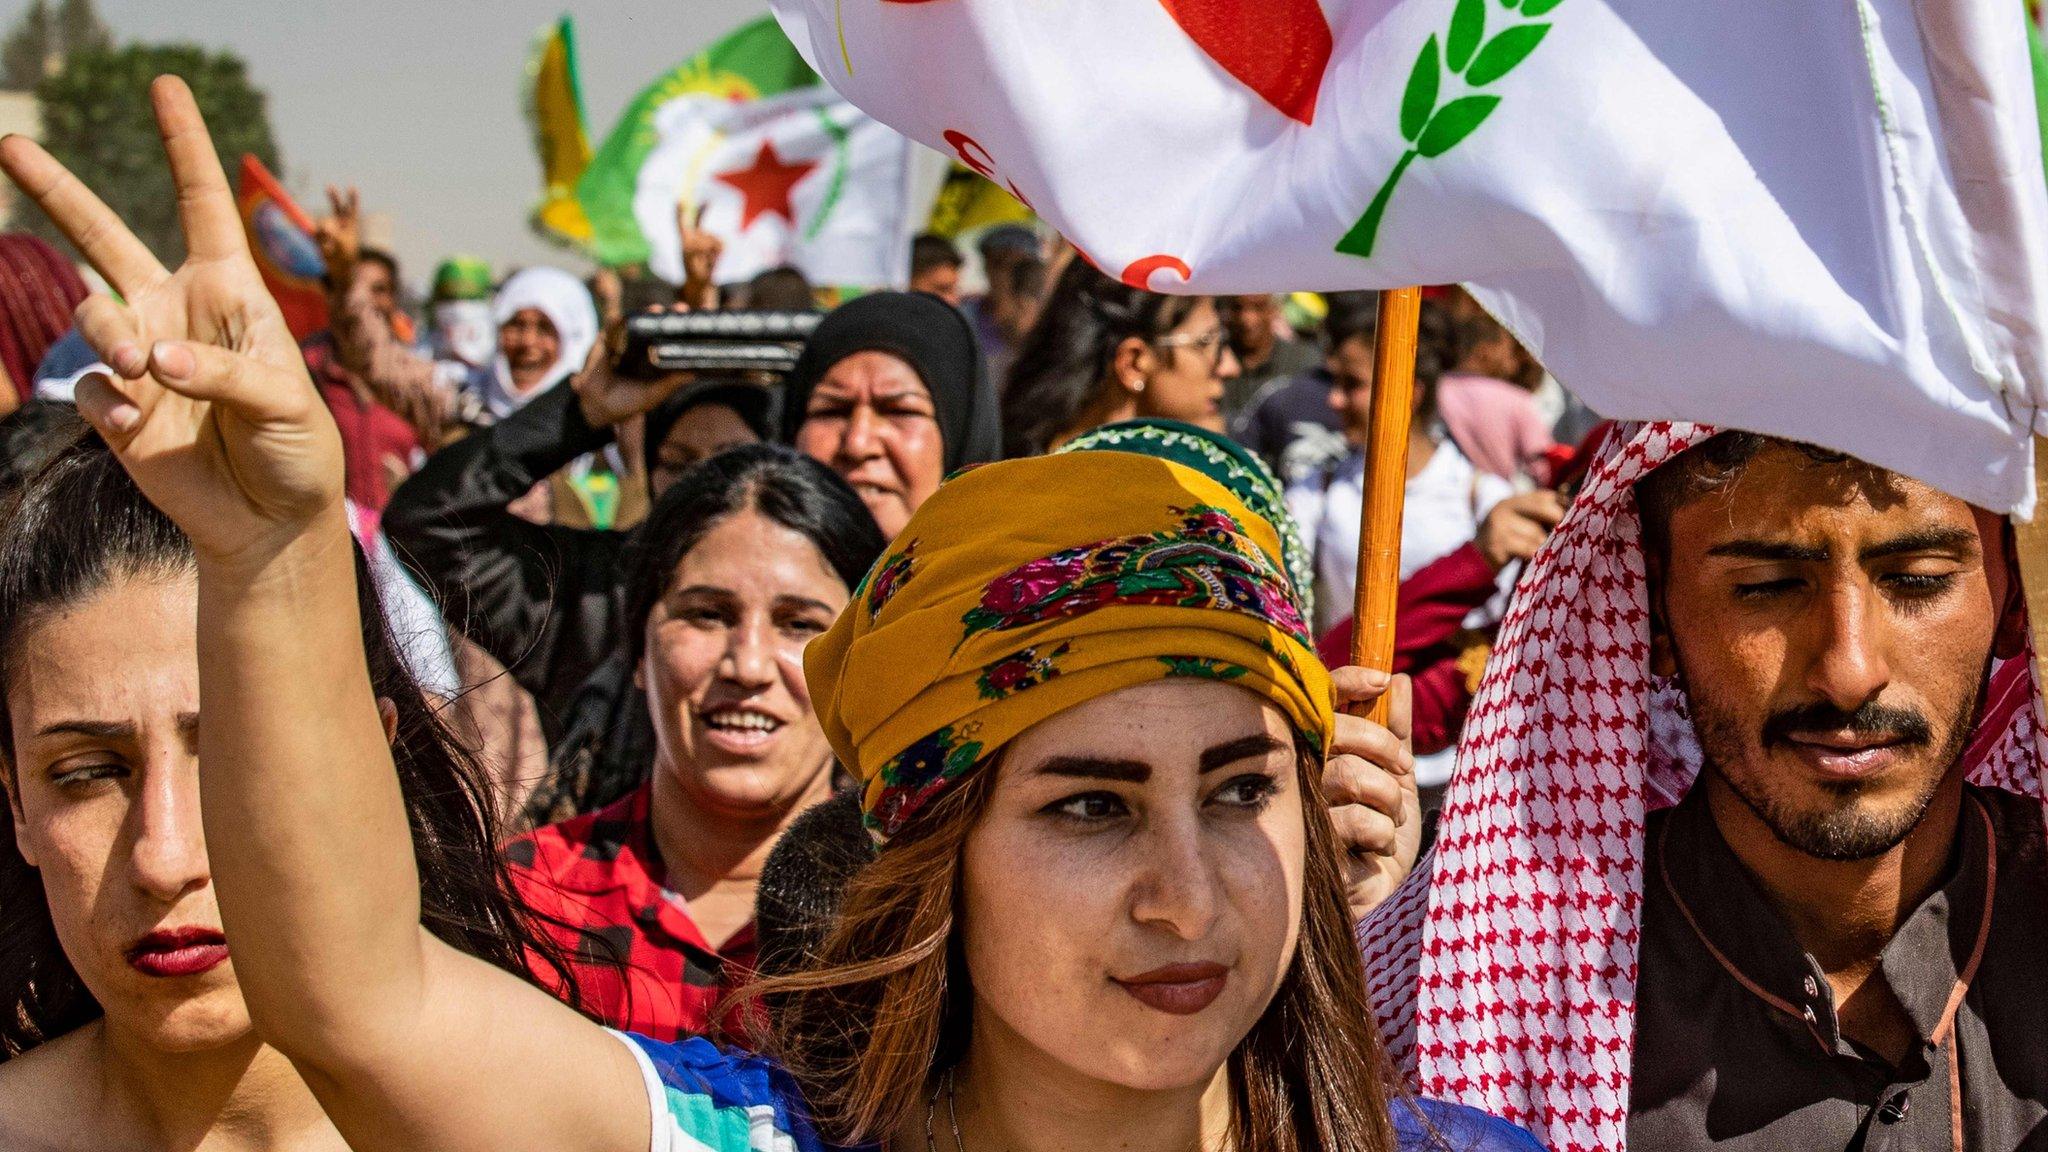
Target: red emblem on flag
point(766, 185)
point(1277, 48)
point(1138, 274)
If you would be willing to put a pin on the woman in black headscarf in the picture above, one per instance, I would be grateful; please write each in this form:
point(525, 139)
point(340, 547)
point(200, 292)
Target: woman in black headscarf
point(891, 393)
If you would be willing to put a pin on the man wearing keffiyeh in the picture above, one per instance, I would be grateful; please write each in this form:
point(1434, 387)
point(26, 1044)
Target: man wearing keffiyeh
point(1745, 848)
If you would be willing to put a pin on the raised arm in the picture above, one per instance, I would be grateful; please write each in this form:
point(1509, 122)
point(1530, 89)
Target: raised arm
point(406, 383)
point(399, 379)
point(701, 251)
point(407, 1043)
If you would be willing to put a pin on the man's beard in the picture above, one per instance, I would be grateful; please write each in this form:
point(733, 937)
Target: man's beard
point(1849, 830)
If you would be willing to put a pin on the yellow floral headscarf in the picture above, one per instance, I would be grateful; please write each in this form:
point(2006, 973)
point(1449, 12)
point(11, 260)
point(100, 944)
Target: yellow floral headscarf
point(1024, 588)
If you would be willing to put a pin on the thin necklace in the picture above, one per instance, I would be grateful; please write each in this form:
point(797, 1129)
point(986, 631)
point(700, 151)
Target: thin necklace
point(931, 1109)
point(953, 1114)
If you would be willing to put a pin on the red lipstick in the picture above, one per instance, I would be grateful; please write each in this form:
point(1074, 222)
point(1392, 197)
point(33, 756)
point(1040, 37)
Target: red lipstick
point(1177, 989)
point(175, 952)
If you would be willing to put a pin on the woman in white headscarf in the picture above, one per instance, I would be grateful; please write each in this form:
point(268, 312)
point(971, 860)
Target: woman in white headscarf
point(546, 326)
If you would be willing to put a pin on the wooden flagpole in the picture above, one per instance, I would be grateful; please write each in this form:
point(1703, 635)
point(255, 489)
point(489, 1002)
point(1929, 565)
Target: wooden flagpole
point(2031, 542)
point(1386, 483)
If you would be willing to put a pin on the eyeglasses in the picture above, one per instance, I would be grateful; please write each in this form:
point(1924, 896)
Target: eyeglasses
point(1211, 342)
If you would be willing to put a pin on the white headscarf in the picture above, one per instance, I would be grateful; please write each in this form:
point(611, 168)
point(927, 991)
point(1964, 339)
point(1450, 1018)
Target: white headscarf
point(564, 301)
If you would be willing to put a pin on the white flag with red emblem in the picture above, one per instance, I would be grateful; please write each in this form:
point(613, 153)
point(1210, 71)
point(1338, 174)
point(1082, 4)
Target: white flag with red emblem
point(1820, 220)
point(748, 144)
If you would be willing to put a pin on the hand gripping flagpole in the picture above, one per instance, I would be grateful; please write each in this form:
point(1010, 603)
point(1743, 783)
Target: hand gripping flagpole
point(1386, 484)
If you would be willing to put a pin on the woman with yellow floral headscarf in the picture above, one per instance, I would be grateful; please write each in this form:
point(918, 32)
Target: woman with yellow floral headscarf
point(1110, 910)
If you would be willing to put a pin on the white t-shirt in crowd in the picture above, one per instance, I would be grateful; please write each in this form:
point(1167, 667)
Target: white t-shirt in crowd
point(1445, 503)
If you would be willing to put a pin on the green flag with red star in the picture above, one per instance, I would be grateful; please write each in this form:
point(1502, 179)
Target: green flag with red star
point(744, 140)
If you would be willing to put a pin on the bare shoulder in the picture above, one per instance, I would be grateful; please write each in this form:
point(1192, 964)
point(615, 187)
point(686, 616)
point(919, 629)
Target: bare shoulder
point(43, 1097)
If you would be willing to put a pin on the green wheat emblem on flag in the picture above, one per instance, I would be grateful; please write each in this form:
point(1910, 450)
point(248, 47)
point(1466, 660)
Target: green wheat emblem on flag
point(1433, 128)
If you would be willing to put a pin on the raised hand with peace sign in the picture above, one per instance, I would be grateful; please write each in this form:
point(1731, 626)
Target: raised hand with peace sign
point(340, 234)
point(211, 411)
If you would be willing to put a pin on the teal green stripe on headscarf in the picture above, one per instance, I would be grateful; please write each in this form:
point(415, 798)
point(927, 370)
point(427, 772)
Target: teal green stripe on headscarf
point(1223, 460)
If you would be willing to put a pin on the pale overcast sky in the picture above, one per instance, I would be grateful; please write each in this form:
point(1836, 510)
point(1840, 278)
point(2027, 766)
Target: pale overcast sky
point(418, 101)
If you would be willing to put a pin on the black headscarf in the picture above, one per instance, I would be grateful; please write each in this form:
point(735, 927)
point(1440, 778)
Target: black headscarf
point(935, 339)
point(753, 404)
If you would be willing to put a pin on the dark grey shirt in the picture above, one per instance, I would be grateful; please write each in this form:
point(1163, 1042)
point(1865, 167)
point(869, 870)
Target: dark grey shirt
point(1742, 1051)
point(1289, 357)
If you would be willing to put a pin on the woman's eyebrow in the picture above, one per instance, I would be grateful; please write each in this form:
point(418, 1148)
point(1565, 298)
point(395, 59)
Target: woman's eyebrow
point(688, 591)
point(805, 602)
point(1243, 748)
point(907, 392)
point(1097, 768)
point(1137, 771)
point(188, 725)
point(94, 729)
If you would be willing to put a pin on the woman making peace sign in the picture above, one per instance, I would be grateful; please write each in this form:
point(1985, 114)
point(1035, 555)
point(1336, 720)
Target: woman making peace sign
point(1109, 912)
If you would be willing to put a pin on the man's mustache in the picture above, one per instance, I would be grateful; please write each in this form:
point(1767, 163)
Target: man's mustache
point(1898, 725)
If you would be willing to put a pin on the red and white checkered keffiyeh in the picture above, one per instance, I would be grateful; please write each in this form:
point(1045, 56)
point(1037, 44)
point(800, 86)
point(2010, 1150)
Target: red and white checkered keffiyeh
point(1504, 970)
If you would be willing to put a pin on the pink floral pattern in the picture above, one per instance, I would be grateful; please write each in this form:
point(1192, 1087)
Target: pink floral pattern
point(1023, 669)
point(887, 578)
point(1207, 561)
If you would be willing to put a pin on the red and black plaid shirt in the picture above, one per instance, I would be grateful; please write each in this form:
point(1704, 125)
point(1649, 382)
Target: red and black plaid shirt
point(601, 875)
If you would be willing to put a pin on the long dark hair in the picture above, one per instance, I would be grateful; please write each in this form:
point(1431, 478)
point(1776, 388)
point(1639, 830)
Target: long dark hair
point(868, 1024)
point(780, 483)
point(77, 527)
point(1063, 363)
point(609, 745)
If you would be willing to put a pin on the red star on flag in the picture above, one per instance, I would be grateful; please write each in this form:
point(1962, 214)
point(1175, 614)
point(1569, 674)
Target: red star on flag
point(767, 185)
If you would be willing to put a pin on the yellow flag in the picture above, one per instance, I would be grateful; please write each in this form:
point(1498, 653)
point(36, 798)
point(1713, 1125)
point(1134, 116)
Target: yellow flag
point(967, 204)
point(554, 106)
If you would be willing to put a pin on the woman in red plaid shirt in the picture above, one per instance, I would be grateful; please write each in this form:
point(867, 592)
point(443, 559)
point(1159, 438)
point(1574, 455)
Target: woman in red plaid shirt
point(742, 561)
